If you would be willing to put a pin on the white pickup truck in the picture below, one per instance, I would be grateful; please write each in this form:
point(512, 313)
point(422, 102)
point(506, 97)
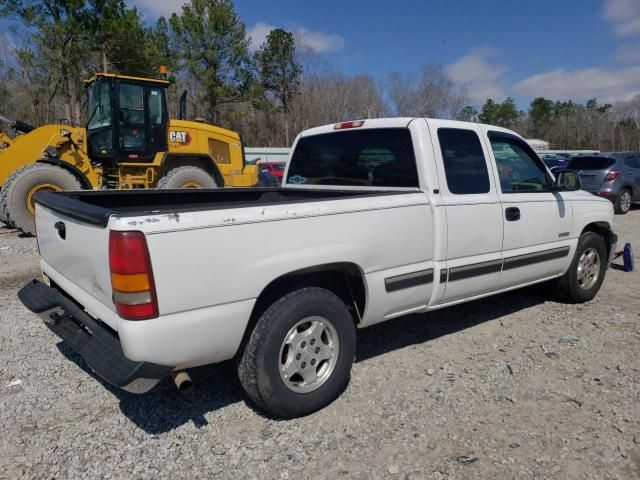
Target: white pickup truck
point(376, 219)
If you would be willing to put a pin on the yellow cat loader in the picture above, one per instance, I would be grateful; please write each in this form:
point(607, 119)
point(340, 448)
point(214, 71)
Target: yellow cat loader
point(129, 142)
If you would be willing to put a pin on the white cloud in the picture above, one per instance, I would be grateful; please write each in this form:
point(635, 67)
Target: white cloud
point(309, 40)
point(481, 78)
point(560, 84)
point(156, 8)
point(318, 42)
point(258, 34)
point(628, 53)
point(625, 16)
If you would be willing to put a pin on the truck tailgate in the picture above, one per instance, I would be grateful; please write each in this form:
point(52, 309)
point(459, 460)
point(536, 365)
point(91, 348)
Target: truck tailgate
point(75, 255)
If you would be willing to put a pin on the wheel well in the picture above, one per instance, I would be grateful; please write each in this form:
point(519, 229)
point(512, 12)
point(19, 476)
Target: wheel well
point(603, 229)
point(81, 177)
point(203, 161)
point(346, 280)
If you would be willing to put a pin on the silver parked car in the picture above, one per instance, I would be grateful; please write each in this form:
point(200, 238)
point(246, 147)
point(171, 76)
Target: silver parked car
point(615, 176)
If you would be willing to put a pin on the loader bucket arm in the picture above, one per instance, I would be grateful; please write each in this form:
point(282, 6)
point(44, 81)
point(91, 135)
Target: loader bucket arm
point(17, 125)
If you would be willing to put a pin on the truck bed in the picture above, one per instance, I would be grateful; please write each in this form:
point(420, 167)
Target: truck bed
point(95, 207)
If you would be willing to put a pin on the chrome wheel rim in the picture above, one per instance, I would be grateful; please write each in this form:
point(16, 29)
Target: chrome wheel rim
point(625, 201)
point(308, 354)
point(588, 268)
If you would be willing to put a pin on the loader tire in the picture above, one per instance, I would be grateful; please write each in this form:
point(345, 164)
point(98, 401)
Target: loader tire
point(17, 201)
point(3, 201)
point(186, 177)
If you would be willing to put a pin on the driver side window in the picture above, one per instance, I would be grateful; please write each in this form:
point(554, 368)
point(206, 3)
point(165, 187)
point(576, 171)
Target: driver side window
point(518, 171)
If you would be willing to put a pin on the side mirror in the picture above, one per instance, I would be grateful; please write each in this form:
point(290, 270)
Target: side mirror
point(567, 181)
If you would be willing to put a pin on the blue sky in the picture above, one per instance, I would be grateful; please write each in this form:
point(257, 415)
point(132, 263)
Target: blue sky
point(560, 49)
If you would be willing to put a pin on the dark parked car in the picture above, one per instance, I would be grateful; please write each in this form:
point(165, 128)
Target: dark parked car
point(615, 176)
point(554, 162)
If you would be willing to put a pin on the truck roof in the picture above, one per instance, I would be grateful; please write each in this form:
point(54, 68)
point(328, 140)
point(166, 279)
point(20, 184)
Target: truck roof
point(398, 122)
point(392, 122)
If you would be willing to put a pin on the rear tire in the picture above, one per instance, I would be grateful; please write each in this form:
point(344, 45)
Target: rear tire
point(623, 202)
point(17, 200)
point(584, 278)
point(299, 356)
point(186, 177)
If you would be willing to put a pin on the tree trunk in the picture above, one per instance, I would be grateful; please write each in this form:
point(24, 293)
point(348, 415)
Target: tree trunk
point(286, 128)
point(66, 95)
point(105, 64)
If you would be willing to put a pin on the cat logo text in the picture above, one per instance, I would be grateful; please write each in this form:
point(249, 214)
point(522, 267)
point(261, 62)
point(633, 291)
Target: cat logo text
point(182, 138)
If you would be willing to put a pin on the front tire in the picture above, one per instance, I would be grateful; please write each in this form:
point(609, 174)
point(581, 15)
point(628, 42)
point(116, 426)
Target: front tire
point(17, 199)
point(623, 202)
point(299, 356)
point(584, 278)
point(186, 177)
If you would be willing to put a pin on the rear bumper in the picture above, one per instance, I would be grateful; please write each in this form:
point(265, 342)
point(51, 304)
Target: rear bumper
point(607, 190)
point(604, 194)
point(96, 343)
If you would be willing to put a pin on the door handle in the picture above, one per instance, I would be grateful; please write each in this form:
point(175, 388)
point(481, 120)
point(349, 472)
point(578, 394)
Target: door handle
point(512, 214)
point(61, 229)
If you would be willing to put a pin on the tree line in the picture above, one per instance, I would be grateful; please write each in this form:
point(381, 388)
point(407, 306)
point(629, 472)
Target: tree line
point(268, 93)
point(568, 125)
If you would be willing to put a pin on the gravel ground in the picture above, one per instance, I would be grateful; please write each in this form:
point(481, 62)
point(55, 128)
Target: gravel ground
point(514, 386)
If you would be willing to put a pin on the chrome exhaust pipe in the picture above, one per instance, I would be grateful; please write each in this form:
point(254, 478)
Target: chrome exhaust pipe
point(182, 380)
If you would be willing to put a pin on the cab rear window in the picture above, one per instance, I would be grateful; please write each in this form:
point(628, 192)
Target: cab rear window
point(591, 163)
point(381, 157)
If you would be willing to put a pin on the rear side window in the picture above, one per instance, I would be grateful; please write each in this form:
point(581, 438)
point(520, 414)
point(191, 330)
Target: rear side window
point(464, 164)
point(632, 162)
point(155, 106)
point(380, 157)
point(591, 163)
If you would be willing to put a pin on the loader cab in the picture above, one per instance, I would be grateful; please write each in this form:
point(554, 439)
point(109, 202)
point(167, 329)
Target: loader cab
point(127, 118)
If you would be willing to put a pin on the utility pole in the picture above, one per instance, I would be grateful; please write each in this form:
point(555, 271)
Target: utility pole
point(566, 126)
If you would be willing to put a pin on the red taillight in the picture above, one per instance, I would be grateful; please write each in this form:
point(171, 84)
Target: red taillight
point(353, 124)
point(612, 175)
point(137, 312)
point(134, 293)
